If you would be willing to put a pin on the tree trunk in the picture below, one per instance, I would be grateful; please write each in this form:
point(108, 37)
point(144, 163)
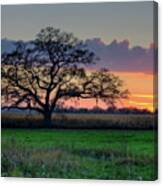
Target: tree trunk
point(47, 119)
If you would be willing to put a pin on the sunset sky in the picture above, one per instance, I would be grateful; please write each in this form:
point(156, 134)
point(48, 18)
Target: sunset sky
point(121, 34)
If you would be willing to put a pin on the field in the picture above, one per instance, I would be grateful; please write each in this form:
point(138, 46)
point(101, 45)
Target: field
point(79, 149)
point(92, 154)
point(81, 121)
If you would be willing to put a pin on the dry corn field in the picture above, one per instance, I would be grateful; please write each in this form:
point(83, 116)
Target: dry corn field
point(112, 121)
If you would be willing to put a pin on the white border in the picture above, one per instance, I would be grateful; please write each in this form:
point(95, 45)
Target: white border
point(62, 182)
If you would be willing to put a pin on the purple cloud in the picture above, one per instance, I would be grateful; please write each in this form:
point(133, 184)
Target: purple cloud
point(118, 56)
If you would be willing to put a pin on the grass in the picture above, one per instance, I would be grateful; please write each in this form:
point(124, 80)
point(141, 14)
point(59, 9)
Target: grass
point(91, 154)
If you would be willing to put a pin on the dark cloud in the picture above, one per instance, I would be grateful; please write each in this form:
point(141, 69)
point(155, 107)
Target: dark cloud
point(7, 46)
point(118, 56)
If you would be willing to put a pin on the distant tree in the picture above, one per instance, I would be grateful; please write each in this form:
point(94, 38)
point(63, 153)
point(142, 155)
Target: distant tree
point(40, 74)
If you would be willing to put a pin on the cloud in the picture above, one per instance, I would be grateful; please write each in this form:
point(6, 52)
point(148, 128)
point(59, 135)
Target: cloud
point(7, 46)
point(118, 56)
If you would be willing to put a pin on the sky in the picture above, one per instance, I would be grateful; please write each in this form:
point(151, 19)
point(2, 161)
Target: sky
point(108, 21)
point(121, 34)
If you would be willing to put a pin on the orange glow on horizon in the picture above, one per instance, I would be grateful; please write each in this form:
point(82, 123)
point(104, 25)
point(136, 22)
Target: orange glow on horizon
point(141, 89)
point(140, 86)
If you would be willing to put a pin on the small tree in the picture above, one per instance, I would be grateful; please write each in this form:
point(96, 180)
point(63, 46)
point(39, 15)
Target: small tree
point(38, 74)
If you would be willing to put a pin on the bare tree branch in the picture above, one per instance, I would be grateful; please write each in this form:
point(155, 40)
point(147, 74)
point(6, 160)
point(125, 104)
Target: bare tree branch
point(37, 75)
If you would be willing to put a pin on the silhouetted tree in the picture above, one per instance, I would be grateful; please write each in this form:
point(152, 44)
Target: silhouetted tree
point(40, 73)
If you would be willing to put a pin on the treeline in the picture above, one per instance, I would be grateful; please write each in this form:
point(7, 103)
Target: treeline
point(110, 110)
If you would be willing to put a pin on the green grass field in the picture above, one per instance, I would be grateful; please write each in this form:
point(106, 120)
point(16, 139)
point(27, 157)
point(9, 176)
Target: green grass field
point(92, 154)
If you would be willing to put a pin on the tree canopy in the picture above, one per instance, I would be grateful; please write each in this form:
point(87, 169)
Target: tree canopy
point(39, 74)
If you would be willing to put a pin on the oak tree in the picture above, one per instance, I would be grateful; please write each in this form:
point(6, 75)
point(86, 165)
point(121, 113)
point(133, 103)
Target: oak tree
point(53, 67)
